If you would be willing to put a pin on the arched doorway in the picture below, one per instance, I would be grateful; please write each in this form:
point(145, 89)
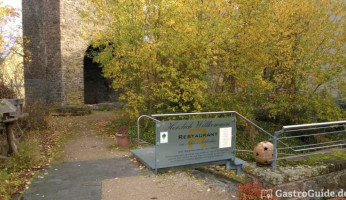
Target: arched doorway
point(96, 87)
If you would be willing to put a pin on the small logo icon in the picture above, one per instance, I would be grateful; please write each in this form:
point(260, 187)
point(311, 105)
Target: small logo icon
point(266, 194)
point(163, 137)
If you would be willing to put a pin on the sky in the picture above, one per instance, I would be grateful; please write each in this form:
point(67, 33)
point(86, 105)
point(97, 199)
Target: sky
point(13, 3)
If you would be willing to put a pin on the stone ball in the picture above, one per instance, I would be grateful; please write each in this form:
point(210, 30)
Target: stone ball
point(263, 153)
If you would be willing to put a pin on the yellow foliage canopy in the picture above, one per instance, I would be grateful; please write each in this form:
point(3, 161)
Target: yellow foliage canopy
point(6, 14)
point(187, 56)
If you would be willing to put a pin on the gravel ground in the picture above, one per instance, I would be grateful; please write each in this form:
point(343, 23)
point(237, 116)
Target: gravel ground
point(86, 144)
point(168, 186)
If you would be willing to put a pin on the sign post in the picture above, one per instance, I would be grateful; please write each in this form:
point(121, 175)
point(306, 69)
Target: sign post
point(191, 142)
point(186, 142)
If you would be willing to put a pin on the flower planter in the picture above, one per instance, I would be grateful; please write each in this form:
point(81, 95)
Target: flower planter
point(123, 140)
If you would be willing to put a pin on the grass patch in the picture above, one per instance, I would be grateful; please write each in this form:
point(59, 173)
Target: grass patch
point(232, 174)
point(316, 159)
point(115, 147)
point(72, 111)
point(28, 156)
point(103, 108)
point(14, 171)
point(56, 153)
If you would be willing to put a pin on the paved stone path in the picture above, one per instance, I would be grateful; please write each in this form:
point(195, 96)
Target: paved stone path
point(86, 161)
point(78, 180)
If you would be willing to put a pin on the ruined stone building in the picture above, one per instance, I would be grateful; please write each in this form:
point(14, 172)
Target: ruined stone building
point(60, 72)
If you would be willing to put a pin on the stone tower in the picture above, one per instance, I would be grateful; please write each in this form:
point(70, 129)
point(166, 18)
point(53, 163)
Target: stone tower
point(56, 73)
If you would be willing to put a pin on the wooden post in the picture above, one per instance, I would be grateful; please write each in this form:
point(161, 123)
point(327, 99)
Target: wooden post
point(10, 107)
point(11, 140)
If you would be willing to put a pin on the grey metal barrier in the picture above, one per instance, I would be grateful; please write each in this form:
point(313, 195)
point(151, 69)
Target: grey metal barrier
point(173, 154)
point(152, 117)
point(306, 131)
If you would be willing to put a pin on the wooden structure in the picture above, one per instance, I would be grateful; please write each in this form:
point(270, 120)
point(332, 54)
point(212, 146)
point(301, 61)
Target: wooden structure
point(11, 111)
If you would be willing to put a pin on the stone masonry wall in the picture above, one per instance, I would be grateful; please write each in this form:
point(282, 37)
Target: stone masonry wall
point(55, 74)
point(73, 48)
point(43, 75)
point(300, 178)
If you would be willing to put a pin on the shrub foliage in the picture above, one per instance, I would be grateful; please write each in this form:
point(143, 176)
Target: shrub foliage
point(283, 57)
point(6, 92)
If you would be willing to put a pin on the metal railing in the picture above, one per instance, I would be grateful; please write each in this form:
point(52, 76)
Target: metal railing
point(308, 131)
point(286, 133)
point(153, 117)
point(138, 125)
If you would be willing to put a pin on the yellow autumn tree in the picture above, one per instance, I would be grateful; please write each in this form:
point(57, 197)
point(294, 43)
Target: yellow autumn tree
point(282, 57)
point(306, 62)
point(6, 14)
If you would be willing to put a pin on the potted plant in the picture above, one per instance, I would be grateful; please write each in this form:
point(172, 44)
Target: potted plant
point(122, 137)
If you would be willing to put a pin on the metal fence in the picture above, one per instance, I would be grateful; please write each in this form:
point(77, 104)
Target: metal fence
point(333, 136)
point(231, 113)
point(18, 88)
point(333, 132)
